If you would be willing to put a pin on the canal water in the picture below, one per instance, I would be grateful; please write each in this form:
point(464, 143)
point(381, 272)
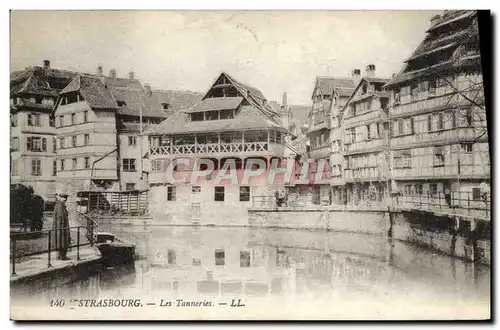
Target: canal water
point(246, 273)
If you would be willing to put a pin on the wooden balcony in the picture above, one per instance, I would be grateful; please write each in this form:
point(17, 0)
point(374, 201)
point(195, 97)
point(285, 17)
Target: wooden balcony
point(450, 135)
point(455, 204)
point(369, 173)
point(223, 149)
point(365, 146)
point(320, 152)
point(467, 171)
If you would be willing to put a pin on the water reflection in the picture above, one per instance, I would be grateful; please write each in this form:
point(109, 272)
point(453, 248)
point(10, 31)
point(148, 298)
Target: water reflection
point(213, 263)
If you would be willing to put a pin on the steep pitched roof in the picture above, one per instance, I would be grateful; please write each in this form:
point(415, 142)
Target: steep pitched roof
point(327, 84)
point(177, 100)
point(379, 94)
point(217, 103)
point(93, 91)
point(38, 80)
point(247, 119)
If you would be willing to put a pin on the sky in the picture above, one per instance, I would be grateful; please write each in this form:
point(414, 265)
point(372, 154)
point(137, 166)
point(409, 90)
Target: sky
point(275, 51)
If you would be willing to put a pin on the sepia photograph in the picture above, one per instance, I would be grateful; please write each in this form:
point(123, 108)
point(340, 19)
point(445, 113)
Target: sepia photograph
point(250, 165)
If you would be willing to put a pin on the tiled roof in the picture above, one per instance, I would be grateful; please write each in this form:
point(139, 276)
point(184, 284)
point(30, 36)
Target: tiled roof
point(93, 91)
point(247, 119)
point(217, 103)
point(177, 100)
point(327, 84)
point(38, 80)
point(452, 16)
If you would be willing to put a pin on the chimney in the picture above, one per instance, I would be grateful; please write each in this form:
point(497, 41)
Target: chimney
point(356, 75)
point(370, 70)
point(99, 70)
point(131, 75)
point(285, 101)
point(147, 88)
point(435, 19)
point(46, 64)
point(112, 74)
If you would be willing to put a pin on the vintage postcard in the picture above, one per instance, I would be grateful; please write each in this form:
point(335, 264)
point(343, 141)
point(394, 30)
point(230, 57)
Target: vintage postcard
point(250, 165)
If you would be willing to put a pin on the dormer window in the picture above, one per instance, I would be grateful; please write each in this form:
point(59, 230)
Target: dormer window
point(364, 88)
point(121, 103)
point(165, 106)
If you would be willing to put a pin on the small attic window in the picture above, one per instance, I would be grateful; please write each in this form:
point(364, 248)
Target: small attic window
point(165, 106)
point(121, 103)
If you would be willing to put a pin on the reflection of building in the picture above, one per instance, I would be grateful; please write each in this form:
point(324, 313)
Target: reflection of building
point(230, 125)
point(439, 141)
point(33, 94)
point(365, 141)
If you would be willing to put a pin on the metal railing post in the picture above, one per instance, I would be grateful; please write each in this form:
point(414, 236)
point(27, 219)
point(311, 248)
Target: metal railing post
point(50, 250)
point(78, 243)
point(14, 257)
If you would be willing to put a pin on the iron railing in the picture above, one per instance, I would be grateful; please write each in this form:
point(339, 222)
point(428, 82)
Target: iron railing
point(26, 244)
point(129, 202)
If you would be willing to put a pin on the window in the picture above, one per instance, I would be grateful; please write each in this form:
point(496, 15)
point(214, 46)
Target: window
point(432, 87)
point(397, 95)
point(15, 167)
point(440, 124)
point(74, 163)
point(156, 165)
point(244, 194)
point(468, 117)
point(86, 139)
point(165, 106)
point(219, 194)
point(400, 127)
point(13, 120)
point(476, 194)
point(36, 143)
point(121, 103)
point(402, 160)
point(220, 256)
point(244, 258)
point(62, 143)
point(170, 193)
point(14, 143)
point(196, 262)
point(171, 257)
point(132, 141)
point(414, 90)
point(368, 136)
point(438, 156)
point(73, 118)
point(87, 162)
point(154, 141)
point(129, 164)
point(62, 164)
point(197, 116)
point(34, 119)
point(61, 121)
point(73, 141)
point(85, 116)
point(54, 144)
point(418, 189)
point(54, 168)
point(36, 167)
point(453, 119)
point(130, 186)
point(429, 123)
point(466, 147)
point(196, 189)
point(433, 189)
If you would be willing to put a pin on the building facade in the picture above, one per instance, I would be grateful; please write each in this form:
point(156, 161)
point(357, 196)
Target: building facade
point(231, 126)
point(439, 138)
point(365, 142)
point(33, 95)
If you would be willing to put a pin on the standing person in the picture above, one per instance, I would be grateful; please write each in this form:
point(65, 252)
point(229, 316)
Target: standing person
point(277, 196)
point(61, 227)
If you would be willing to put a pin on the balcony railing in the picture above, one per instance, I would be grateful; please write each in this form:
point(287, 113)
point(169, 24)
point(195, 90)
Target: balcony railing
point(358, 174)
point(463, 134)
point(194, 149)
point(364, 145)
point(456, 203)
